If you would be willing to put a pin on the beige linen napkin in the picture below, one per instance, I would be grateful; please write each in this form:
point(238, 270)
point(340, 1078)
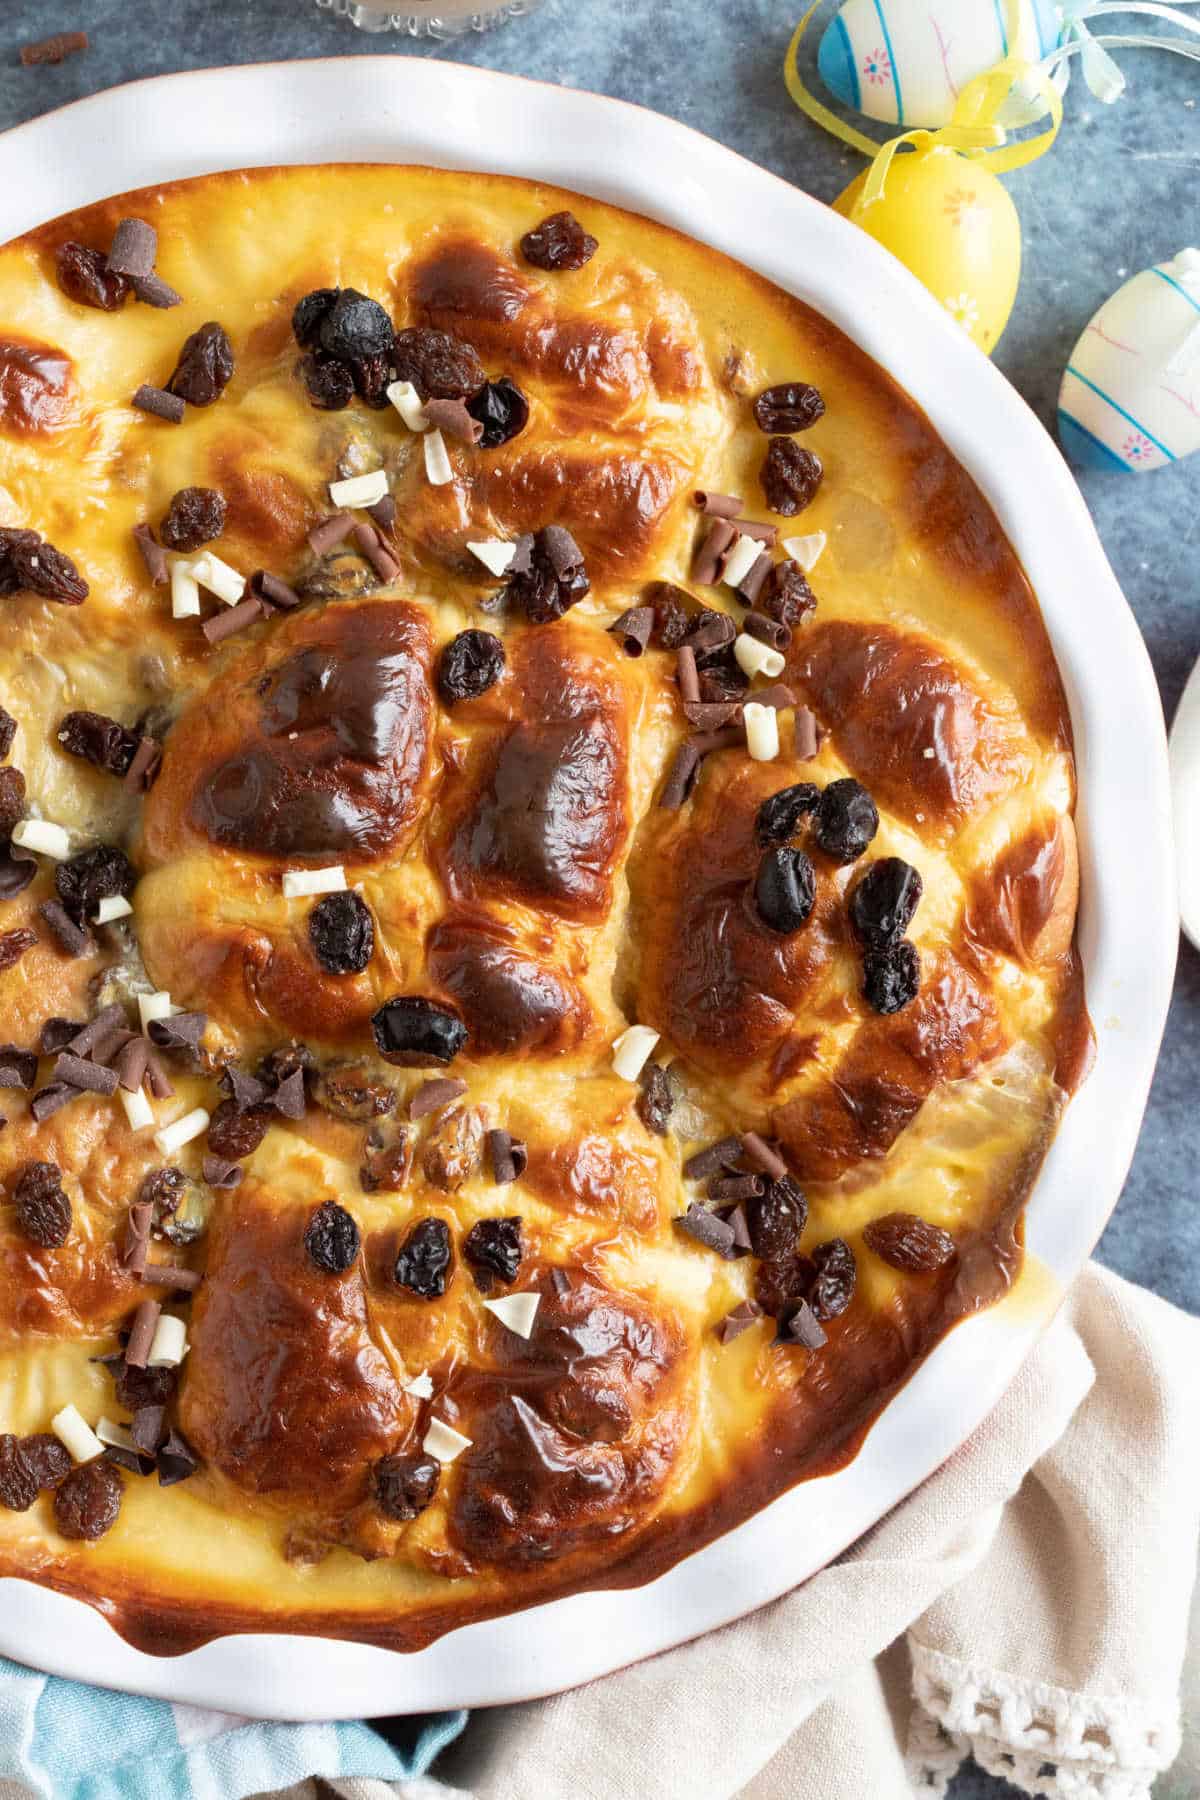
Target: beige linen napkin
point(1029, 1604)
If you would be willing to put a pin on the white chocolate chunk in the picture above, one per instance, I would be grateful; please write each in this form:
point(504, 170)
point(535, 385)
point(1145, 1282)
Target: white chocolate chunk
point(517, 1311)
point(762, 731)
point(174, 1137)
point(44, 837)
point(741, 559)
point(299, 883)
point(756, 659)
point(494, 553)
point(421, 1386)
point(185, 591)
point(109, 1432)
point(807, 551)
point(76, 1435)
point(169, 1346)
point(438, 466)
point(138, 1110)
point(218, 578)
point(443, 1442)
point(631, 1051)
point(359, 490)
point(113, 906)
point(156, 1006)
point(407, 402)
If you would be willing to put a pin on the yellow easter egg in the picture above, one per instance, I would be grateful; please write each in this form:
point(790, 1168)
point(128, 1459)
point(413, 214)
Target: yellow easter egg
point(952, 222)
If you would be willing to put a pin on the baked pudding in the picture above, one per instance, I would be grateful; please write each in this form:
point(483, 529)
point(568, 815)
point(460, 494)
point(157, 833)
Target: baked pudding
point(539, 895)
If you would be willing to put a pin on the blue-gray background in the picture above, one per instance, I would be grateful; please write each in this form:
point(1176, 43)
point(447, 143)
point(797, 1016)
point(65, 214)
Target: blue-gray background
point(1120, 191)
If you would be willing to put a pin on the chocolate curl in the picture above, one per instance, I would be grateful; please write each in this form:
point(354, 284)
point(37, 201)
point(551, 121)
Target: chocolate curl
point(156, 1077)
point(86, 1039)
point(152, 290)
point(724, 1154)
point(712, 715)
point(234, 619)
point(168, 1275)
point(633, 628)
point(718, 506)
point(680, 777)
point(244, 1090)
point(144, 767)
point(509, 1157)
point(710, 558)
point(152, 554)
point(384, 564)
point(709, 1229)
point(808, 740)
point(156, 400)
point(714, 631)
point(752, 582)
point(181, 1031)
point(113, 1041)
point(71, 937)
point(732, 1188)
point(689, 680)
point(134, 248)
point(141, 1336)
point(330, 531)
point(778, 695)
point(289, 1098)
point(264, 586)
point(757, 1151)
point(767, 631)
point(452, 418)
point(18, 1068)
point(801, 1327)
point(131, 1064)
point(218, 1173)
point(136, 1247)
point(763, 534)
point(49, 1100)
point(177, 1461)
point(88, 1077)
point(383, 513)
point(736, 1220)
point(740, 1319)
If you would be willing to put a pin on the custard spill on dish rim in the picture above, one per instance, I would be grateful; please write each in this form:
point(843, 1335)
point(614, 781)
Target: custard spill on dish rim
point(519, 868)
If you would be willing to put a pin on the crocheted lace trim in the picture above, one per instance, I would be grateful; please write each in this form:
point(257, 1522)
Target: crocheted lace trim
point(1046, 1740)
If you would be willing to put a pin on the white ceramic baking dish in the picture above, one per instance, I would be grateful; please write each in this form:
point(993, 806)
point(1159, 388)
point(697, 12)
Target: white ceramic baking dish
point(395, 109)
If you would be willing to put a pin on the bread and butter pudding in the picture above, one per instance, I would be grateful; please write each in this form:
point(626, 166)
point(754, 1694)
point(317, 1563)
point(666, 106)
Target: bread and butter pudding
point(537, 900)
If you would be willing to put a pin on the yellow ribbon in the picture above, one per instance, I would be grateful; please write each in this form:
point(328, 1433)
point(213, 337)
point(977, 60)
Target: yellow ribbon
point(973, 131)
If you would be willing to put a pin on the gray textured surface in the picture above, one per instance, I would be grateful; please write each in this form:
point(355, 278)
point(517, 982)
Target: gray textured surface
point(1118, 193)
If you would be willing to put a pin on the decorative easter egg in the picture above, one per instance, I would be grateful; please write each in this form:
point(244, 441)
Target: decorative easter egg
point(951, 222)
point(1130, 399)
point(906, 61)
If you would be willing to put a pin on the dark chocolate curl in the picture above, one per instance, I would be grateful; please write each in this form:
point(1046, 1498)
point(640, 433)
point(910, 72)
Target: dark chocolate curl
point(633, 628)
point(718, 506)
point(680, 778)
point(708, 1229)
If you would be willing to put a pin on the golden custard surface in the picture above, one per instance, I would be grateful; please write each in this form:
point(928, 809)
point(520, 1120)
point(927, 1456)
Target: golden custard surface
point(519, 869)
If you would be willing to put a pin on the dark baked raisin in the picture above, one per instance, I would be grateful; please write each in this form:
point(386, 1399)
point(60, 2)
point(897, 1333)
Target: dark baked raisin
point(12, 802)
point(424, 1263)
point(455, 1151)
point(83, 881)
point(673, 609)
point(785, 889)
point(18, 1483)
point(355, 325)
point(195, 516)
point(469, 665)
point(656, 1102)
point(790, 477)
point(349, 1092)
point(14, 944)
point(332, 1238)
point(559, 242)
point(780, 1282)
point(791, 406)
point(234, 1135)
point(342, 933)
point(440, 367)
point(163, 1189)
point(329, 382)
point(372, 377)
point(891, 977)
point(43, 1209)
point(833, 1287)
point(308, 314)
point(88, 1502)
point(84, 275)
point(48, 1460)
point(41, 569)
point(103, 742)
point(386, 1166)
point(413, 1032)
point(494, 1248)
point(404, 1485)
point(779, 816)
point(884, 901)
point(555, 579)
point(8, 731)
point(503, 411)
point(846, 820)
point(906, 1241)
point(776, 1219)
point(786, 596)
point(143, 1387)
point(205, 366)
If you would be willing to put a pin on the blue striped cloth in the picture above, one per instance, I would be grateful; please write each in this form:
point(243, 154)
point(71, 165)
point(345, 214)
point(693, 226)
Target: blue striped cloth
point(70, 1742)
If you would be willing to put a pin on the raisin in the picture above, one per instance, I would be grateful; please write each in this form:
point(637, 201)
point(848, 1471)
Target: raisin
point(43, 1209)
point(559, 242)
point(791, 406)
point(786, 595)
point(790, 477)
point(469, 665)
point(371, 376)
point(439, 366)
point(14, 944)
point(413, 1032)
point(779, 816)
point(503, 411)
point(494, 1249)
point(143, 1387)
point(833, 1287)
point(18, 1483)
point(329, 382)
point(785, 889)
point(906, 1241)
point(48, 1460)
point(163, 1189)
point(88, 1502)
point(454, 1154)
point(84, 275)
point(12, 802)
point(425, 1259)
point(195, 516)
point(8, 731)
point(672, 609)
point(41, 569)
point(205, 366)
point(555, 579)
point(721, 679)
point(405, 1485)
point(348, 1092)
point(883, 903)
point(332, 1238)
point(308, 314)
point(354, 325)
point(846, 820)
point(656, 1102)
point(782, 1281)
point(342, 933)
point(94, 875)
point(891, 977)
point(99, 740)
point(234, 1135)
point(386, 1166)
point(776, 1219)
point(279, 1064)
